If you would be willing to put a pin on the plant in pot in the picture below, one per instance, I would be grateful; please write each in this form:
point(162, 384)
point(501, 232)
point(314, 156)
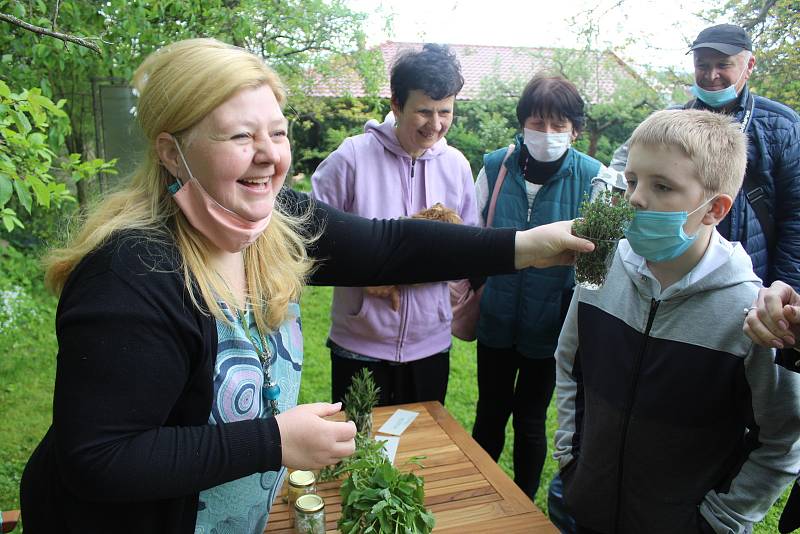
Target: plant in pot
point(360, 399)
point(603, 222)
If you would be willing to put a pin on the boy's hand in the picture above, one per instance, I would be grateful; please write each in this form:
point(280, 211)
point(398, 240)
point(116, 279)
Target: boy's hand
point(388, 292)
point(548, 245)
point(774, 318)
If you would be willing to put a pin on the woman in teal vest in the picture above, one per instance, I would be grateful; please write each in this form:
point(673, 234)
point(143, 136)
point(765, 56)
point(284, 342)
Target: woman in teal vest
point(521, 313)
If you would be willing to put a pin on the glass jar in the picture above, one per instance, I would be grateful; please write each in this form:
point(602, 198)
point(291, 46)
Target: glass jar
point(309, 514)
point(591, 268)
point(300, 483)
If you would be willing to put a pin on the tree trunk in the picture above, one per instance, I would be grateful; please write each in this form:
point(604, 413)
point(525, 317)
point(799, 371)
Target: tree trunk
point(75, 146)
point(594, 136)
point(83, 194)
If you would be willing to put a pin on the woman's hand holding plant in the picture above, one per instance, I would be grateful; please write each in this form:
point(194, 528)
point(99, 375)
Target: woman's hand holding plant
point(548, 245)
point(310, 442)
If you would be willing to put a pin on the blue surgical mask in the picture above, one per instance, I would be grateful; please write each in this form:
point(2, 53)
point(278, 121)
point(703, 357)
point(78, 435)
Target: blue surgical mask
point(722, 97)
point(658, 235)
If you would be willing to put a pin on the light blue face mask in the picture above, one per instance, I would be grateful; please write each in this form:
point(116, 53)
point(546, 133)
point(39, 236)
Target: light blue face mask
point(658, 235)
point(717, 99)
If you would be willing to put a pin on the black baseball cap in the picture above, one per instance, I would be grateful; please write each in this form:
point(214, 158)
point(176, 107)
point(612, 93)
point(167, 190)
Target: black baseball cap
point(726, 38)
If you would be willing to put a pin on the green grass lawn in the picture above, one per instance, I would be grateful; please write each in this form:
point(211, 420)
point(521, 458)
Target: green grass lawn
point(27, 352)
point(27, 371)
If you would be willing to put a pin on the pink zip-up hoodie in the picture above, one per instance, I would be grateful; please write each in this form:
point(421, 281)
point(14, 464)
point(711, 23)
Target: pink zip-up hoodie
point(372, 176)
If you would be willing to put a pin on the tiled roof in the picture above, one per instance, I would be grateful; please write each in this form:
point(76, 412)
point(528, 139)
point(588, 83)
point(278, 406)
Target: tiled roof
point(477, 63)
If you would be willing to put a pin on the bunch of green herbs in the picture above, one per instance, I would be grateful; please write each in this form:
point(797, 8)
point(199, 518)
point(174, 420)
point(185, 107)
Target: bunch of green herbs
point(378, 498)
point(366, 449)
point(603, 221)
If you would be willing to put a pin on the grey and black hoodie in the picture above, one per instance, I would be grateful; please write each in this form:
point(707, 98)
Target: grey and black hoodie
point(670, 418)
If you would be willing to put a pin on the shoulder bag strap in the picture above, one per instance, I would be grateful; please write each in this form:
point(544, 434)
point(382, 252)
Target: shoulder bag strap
point(754, 191)
point(501, 176)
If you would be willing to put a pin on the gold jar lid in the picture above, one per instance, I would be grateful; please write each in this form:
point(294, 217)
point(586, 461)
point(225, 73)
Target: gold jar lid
point(300, 479)
point(309, 503)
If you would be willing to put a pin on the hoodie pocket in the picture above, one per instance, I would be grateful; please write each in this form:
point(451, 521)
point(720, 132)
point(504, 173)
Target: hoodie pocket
point(589, 494)
point(375, 319)
point(429, 313)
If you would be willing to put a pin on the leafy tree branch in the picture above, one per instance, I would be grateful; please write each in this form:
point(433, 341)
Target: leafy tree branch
point(67, 38)
point(760, 17)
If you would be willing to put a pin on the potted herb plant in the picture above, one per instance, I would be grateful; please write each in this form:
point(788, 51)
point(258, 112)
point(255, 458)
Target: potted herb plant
point(603, 222)
point(360, 399)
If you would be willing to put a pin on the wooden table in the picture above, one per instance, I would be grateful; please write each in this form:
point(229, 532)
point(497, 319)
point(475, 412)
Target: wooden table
point(466, 490)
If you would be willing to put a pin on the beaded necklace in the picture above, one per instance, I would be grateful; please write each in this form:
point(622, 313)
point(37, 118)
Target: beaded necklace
point(271, 390)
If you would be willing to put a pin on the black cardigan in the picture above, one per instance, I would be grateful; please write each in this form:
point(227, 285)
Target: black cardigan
point(130, 447)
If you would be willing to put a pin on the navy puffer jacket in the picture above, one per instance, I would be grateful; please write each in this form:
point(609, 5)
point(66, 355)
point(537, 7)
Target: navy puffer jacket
point(773, 162)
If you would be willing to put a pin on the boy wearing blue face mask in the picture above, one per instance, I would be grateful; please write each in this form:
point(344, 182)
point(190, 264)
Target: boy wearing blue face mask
point(670, 419)
point(766, 206)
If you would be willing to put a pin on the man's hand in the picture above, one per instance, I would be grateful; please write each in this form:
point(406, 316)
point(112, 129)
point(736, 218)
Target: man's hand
point(774, 319)
point(310, 442)
point(388, 292)
point(548, 245)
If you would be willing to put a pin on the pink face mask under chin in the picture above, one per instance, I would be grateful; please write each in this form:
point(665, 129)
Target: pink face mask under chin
point(227, 230)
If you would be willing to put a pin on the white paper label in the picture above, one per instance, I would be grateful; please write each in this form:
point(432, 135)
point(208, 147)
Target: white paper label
point(390, 449)
point(398, 422)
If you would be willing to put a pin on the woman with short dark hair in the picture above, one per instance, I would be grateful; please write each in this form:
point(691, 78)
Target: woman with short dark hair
point(396, 169)
point(521, 313)
point(434, 70)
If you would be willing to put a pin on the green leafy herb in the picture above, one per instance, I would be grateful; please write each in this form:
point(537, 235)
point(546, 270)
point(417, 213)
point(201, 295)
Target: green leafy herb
point(603, 222)
point(378, 498)
point(360, 399)
point(366, 449)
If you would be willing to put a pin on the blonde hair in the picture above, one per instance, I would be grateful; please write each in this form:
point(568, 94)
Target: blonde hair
point(713, 141)
point(179, 85)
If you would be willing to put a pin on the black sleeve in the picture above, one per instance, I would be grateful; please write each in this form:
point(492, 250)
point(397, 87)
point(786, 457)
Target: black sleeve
point(788, 359)
point(128, 342)
point(353, 251)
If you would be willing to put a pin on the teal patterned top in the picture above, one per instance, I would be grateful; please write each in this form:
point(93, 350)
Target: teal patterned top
point(242, 506)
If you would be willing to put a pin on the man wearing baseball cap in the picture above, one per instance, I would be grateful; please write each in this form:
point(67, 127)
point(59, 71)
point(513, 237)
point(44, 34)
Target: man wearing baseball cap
point(722, 53)
point(764, 215)
point(723, 62)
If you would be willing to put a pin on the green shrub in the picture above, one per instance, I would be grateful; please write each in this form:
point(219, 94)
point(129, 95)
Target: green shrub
point(27, 364)
point(22, 293)
point(32, 128)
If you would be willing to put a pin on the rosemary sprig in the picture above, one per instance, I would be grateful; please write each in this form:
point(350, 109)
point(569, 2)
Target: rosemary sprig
point(360, 399)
